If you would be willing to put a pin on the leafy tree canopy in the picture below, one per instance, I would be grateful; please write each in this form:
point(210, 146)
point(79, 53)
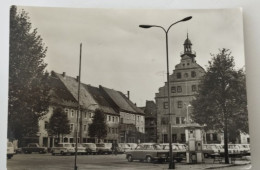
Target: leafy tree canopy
point(28, 89)
point(98, 128)
point(58, 123)
point(222, 93)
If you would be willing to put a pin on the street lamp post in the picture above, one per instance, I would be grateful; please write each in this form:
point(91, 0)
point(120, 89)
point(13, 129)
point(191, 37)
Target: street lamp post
point(171, 163)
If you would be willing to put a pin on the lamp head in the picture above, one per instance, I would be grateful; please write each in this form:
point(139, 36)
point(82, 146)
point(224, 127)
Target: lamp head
point(145, 26)
point(186, 19)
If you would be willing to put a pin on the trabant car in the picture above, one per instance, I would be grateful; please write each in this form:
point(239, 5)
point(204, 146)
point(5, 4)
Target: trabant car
point(124, 147)
point(63, 149)
point(178, 150)
point(103, 148)
point(80, 149)
point(90, 148)
point(147, 152)
point(210, 150)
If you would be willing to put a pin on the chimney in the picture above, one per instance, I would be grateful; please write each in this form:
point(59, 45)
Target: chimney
point(128, 95)
point(64, 74)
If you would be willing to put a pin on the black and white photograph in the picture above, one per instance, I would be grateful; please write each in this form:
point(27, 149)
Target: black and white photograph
point(93, 88)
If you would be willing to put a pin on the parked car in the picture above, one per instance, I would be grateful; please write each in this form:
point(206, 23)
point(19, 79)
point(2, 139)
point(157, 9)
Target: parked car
point(80, 149)
point(246, 149)
point(210, 150)
point(148, 152)
point(178, 150)
point(104, 148)
point(90, 148)
point(132, 145)
point(10, 150)
point(34, 147)
point(124, 147)
point(63, 149)
point(234, 149)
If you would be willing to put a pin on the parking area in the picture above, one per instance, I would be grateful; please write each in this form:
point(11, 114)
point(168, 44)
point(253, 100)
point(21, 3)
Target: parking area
point(49, 162)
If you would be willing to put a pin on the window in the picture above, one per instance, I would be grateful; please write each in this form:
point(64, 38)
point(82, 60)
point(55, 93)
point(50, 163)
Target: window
point(71, 127)
point(85, 115)
point(109, 118)
point(72, 113)
point(113, 119)
point(165, 105)
point(183, 137)
point(85, 127)
point(45, 125)
point(215, 137)
point(177, 120)
point(174, 138)
point(208, 137)
point(173, 89)
point(179, 89)
point(113, 130)
point(179, 104)
point(178, 75)
point(199, 86)
point(193, 88)
point(193, 74)
point(108, 130)
point(122, 120)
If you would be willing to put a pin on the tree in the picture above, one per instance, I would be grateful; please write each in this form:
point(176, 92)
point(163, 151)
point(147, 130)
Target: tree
point(59, 123)
point(28, 89)
point(221, 102)
point(98, 128)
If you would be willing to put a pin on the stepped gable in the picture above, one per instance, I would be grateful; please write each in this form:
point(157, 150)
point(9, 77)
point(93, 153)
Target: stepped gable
point(100, 99)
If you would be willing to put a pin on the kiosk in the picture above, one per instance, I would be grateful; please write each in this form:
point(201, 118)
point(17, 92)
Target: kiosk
point(194, 139)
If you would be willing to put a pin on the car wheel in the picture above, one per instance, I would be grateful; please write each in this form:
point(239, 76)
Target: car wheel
point(130, 158)
point(53, 153)
point(40, 152)
point(148, 159)
point(62, 153)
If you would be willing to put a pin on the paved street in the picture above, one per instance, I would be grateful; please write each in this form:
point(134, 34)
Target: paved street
point(49, 162)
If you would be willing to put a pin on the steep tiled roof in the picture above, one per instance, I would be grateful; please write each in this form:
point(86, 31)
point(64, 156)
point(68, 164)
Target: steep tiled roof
point(100, 99)
point(59, 93)
point(72, 85)
point(121, 101)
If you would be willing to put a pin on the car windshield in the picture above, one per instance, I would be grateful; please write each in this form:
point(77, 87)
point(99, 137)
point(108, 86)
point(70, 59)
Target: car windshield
point(167, 147)
point(157, 147)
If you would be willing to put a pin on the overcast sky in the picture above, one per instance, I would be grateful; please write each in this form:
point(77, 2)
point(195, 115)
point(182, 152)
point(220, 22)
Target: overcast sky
point(118, 54)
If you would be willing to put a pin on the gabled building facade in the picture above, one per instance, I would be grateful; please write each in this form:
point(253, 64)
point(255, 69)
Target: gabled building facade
point(64, 93)
point(184, 83)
